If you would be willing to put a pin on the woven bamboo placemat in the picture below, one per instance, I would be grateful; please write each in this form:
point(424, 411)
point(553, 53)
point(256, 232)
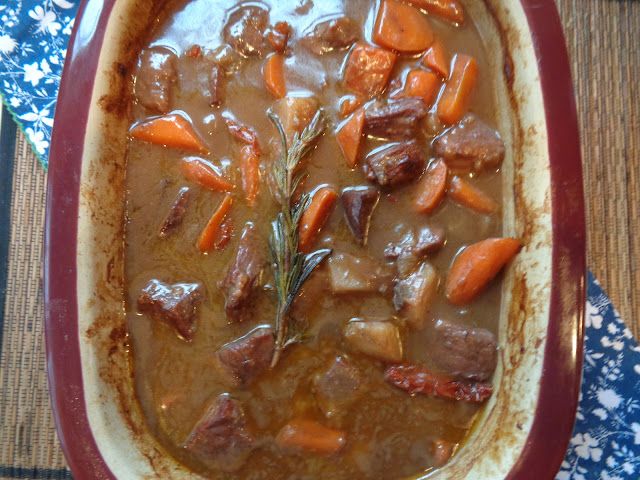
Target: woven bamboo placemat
point(604, 43)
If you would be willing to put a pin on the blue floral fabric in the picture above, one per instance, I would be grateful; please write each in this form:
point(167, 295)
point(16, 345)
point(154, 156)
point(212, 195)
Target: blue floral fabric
point(606, 440)
point(605, 444)
point(33, 43)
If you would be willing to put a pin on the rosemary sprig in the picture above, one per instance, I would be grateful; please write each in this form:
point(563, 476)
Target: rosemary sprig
point(291, 268)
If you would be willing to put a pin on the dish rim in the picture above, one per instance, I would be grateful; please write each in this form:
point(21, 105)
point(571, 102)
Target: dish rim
point(562, 363)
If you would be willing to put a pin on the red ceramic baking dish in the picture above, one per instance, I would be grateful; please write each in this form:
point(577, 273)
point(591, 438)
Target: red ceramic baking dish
point(524, 429)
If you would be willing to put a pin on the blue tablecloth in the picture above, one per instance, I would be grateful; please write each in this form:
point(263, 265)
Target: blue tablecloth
point(606, 440)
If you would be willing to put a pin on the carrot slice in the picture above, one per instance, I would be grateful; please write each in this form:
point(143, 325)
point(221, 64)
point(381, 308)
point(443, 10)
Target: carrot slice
point(349, 136)
point(457, 94)
point(310, 436)
point(212, 229)
point(432, 188)
point(250, 168)
point(424, 85)
point(349, 104)
point(437, 59)
point(401, 27)
point(368, 68)
point(448, 9)
point(466, 194)
point(198, 170)
point(173, 131)
point(315, 216)
point(476, 266)
point(274, 75)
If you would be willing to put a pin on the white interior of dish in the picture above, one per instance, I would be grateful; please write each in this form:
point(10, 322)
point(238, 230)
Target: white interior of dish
point(499, 435)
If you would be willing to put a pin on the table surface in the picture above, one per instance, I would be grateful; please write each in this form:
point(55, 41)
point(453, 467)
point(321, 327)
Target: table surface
point(602, 37)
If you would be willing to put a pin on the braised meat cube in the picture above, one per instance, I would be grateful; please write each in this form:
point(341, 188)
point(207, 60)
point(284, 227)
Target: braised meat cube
point(176, 213)
point(378, 339)
point(221, 438)
point(350, 274)
point(332, 34)
point(358, 204)
point(464, 352)
point(399, 118)
point(413, 295)
point(155, 76)
point(174, 304)
point(471, 145)
point(395, 163)
point(337, 387)
point(246, 29)
point(244, 359)
point(414, 246)
point(243, 275)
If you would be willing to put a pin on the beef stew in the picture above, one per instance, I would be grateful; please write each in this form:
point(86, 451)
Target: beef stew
point(337, 318)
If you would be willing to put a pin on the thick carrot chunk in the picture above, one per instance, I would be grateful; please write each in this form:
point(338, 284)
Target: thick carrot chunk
point(368, 69)
point(212, 230)
point(432, 187)
point(466, 194)
point(437, 59)
point(250, 168)
point(173, 131)
point(349, 104)
point(402, 27)
point(457, 94)
point(198, 170)
point(309, 436)
point(476, 266)
point(274, 75)
point(349, 136)
point(421, 84)
point(448, 9)
point(315, 216)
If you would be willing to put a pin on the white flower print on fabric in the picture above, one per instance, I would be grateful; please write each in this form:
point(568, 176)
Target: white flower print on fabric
point(33, 44)
point(606, 440)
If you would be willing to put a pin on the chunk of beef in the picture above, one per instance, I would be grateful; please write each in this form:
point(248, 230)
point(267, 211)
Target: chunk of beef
point(216, 85)
point(155, 76)
point(465, 352)
point(333, 34)
point(175, 304)
point(415, 379)
point(246, 28)
point(471, 145)
point(399, 118)
point(221, 438)
point(378, 339)
point(176, 213)
point(395, 163)
point(358, 204)
point(243, 275)
point(414, 246)
point(413, 295)
point(295, 113)
point(244, 359)
point(351, 274)
point(337, 387)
